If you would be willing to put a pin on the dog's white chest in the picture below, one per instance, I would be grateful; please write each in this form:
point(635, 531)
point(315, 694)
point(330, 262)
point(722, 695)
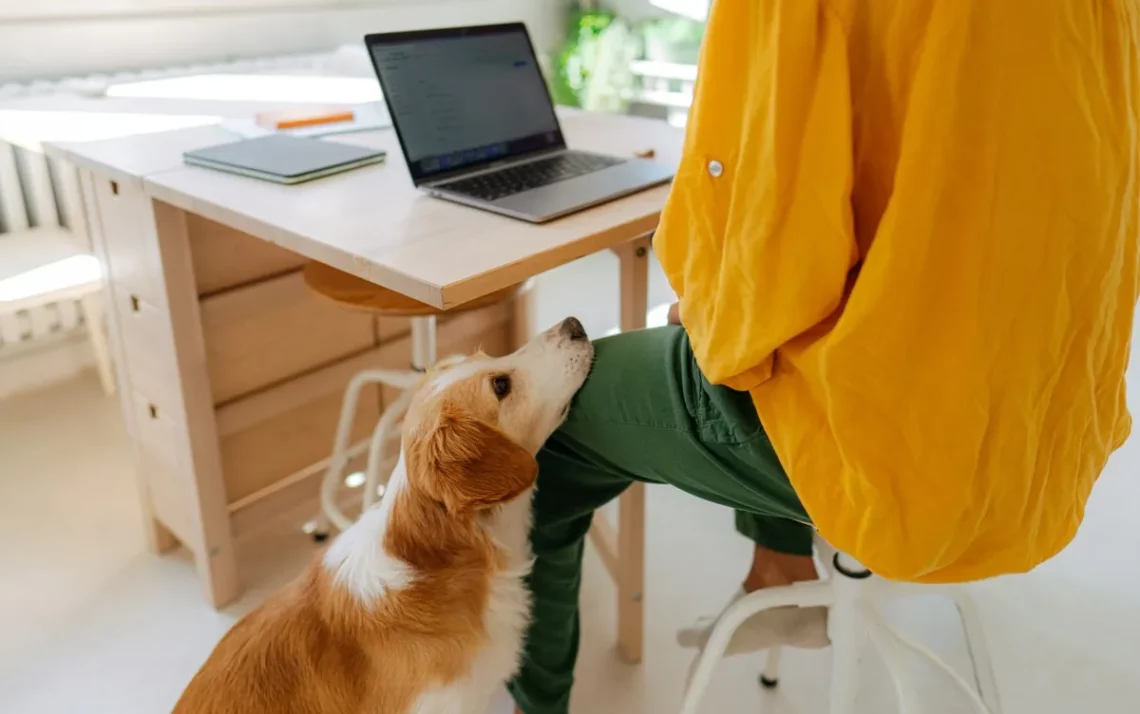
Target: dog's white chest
point(507, 615)
point(505, 620)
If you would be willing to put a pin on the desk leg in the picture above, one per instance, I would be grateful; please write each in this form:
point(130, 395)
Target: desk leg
point(206, 496)
point(630, 560)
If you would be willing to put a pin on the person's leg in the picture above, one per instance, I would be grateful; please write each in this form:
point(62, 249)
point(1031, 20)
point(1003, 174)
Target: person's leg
point(781, 555)
point(646, 413)
point(783, 547)
point(570, 489)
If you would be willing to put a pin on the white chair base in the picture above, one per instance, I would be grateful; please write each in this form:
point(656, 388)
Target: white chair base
point(381, 457)
point(851, 594)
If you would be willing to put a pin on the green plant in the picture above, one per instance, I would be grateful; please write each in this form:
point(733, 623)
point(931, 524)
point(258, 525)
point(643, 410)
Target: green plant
point(592, 68)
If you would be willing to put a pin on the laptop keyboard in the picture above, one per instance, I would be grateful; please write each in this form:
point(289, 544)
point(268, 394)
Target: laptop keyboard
point(508, 181)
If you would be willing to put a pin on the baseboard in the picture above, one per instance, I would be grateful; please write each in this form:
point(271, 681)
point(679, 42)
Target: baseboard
point(43, 363)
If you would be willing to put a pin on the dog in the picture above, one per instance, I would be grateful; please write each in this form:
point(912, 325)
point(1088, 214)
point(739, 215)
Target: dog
point(420, 607)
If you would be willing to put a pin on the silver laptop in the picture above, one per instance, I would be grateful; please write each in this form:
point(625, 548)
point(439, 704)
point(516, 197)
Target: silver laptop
point(477, 125)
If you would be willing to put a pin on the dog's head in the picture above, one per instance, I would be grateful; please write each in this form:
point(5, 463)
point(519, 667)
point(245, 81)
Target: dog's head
point(472, 432)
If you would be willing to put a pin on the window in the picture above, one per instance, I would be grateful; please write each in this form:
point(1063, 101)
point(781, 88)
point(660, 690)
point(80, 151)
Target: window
point(693, 9)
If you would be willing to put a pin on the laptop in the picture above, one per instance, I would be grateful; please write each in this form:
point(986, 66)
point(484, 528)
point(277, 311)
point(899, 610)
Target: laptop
point(477, 125)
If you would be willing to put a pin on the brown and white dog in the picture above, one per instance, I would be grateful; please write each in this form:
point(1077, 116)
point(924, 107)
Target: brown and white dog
point(420, 607)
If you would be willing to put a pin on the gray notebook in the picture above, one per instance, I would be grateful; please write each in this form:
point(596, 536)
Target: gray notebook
point(283, 159)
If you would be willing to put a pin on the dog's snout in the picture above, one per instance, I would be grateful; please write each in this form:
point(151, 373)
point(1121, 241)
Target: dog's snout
point(573, 329)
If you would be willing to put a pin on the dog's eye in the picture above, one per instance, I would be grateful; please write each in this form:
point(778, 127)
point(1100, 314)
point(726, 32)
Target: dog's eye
point(501, 385)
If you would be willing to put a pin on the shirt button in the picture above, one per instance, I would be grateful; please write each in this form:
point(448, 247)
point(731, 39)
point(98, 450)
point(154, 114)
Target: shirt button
point(716, 168)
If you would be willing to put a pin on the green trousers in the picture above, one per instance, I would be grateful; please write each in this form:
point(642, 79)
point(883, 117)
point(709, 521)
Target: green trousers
point(645, 414)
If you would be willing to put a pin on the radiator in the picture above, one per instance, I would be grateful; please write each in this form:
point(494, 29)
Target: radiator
point(39, 191)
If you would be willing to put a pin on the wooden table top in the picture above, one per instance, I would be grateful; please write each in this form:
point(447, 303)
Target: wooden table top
point(374, 224)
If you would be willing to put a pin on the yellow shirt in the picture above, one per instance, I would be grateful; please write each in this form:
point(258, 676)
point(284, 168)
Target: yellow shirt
point(909, 229)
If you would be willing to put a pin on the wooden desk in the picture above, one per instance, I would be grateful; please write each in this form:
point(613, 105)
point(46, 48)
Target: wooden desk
point(231, 371)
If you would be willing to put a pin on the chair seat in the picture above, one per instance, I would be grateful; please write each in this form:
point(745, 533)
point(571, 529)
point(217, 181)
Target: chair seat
point(356, 293)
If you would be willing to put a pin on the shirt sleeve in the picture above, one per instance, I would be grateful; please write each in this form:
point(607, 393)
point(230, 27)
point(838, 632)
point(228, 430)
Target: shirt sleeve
point(756, 237)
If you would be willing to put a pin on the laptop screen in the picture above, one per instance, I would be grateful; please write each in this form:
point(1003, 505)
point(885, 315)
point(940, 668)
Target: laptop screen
point(464, 97)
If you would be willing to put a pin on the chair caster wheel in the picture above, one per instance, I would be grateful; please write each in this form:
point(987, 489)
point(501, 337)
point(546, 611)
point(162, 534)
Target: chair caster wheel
point(319, 537)
point(768, 683)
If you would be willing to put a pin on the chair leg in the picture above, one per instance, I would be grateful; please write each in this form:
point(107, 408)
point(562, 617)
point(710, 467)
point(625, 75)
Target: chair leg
point(322, 525)
point(984, 676)
point(384, 432)
point(847, 629)
point(846, 643)
point(330, 484)
point(894, 657)
point(423, 357)
point(329, 511)
point(92, 308)
point(770, 677)
point(923, 651)
point(808, 594)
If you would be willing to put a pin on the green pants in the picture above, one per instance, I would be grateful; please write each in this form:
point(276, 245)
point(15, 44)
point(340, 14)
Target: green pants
point(645, 414)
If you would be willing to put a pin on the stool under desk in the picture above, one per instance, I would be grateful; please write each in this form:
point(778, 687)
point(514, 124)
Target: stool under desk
point(232, 372)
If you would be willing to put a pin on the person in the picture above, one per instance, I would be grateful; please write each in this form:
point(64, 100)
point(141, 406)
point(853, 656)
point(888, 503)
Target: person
point(903, 234)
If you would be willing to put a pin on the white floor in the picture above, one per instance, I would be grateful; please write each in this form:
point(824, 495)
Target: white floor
point(91, 623)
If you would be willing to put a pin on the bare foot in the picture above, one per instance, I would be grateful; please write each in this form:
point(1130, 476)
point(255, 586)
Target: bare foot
point(771, 569)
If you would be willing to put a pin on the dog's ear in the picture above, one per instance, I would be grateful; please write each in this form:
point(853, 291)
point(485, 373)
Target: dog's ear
point(467, 465)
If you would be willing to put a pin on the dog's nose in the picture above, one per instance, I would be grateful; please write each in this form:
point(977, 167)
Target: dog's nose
point(573, 329)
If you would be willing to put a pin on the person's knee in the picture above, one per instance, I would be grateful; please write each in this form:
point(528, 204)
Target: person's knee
point(573, 479)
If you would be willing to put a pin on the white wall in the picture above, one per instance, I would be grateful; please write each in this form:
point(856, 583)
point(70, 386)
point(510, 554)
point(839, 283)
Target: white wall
point(60, 38)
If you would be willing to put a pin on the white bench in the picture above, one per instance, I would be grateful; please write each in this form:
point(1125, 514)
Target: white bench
point(41, 266)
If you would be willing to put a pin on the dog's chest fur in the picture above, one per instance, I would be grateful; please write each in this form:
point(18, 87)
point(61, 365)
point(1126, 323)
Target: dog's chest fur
point(369, 573)
point(505, 618)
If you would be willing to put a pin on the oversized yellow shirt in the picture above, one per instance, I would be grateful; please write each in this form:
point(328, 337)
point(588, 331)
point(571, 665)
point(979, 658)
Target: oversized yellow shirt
point(909, 229)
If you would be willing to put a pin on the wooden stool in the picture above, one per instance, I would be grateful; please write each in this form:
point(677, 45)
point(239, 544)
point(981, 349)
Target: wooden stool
point(355, 293)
